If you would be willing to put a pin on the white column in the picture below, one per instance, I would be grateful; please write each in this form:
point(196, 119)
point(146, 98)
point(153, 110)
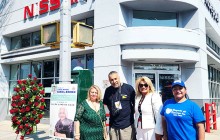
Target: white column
point(65, 41)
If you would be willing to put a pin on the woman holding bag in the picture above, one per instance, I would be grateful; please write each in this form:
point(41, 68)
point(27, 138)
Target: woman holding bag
point(148, 104)
point(90, 117)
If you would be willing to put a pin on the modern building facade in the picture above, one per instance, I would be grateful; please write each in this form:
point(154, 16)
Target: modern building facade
point(164, 40)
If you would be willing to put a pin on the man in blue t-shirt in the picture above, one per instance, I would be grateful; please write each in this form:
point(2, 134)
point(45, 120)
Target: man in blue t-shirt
point(120, 99)
point(182, 119)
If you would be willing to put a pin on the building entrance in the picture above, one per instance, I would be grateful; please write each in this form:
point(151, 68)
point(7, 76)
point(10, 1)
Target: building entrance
point(161, 78)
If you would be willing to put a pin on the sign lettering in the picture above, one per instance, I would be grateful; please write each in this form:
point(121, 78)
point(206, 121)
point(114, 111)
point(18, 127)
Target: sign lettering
point(43, 7)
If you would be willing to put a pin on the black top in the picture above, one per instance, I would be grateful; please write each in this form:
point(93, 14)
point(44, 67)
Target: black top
point(127, 98)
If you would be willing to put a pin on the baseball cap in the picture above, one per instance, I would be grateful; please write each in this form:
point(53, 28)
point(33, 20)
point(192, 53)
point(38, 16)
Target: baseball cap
point(179, 83)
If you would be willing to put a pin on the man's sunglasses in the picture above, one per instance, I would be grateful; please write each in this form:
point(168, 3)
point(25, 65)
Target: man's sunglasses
point(141, 85)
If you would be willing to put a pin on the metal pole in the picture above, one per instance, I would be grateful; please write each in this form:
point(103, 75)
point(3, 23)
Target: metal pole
point(65, 41)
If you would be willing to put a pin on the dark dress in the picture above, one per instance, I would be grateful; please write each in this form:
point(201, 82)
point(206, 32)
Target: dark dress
point(65, 127)
point(90, 122)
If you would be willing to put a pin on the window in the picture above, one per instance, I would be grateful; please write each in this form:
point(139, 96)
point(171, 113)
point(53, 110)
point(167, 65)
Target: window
point(26, 40)
point(36, 40)
point(25, 70)
point(16, 42)
point(78, 63)
point(36, 69)
point(90, 62)
point(149, 18)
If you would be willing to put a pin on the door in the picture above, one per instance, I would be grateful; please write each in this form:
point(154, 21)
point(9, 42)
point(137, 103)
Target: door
point(162, 80)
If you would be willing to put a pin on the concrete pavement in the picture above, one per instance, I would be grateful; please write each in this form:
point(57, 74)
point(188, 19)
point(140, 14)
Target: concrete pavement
point(7, 132)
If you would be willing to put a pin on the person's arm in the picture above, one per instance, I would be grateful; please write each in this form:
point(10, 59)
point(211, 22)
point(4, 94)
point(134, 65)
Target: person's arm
point(164, 124)
point(77, 130)
point(201, 130)
point(78, 117)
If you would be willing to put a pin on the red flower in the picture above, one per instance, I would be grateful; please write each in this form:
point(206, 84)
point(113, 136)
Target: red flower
point(35, 78)
point(30, 103)
point(13, 104)
point(18, 97)
point(34, 112)
point(18, 122)
point(40, 85)
point(17, 131)
point(42, 100)
point(31, 119)
point(27, 125)
point(14, 97)
point(37, 97)
point(40, 116)
point(37, 121)
point(22, 137)
point(27, 108)
point(32, 83)
point(26, 95)
point(16, 89)
point(24, 82)
point(22, 110)
point(24, 118)
point(12, 111)
point(30, 129)
point(34, 88)
point(27, 133)
point(23, 102)
point(29, 75)
point(23, 88)
point(19, 82)
point(14, 118)
point(42, 92)
point(21, 127)
point(36, 103)
point(42, 107)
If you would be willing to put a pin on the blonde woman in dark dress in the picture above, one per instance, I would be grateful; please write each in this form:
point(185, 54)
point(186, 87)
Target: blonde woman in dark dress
point(90, 117)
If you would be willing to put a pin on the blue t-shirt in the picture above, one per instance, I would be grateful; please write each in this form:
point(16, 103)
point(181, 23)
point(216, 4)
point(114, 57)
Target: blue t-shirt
point(181, 119)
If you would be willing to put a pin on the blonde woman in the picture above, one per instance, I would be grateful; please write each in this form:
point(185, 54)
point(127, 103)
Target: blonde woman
point(147, 108)
point(90, 117)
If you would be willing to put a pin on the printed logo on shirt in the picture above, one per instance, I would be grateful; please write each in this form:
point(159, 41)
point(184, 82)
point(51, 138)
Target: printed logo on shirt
point(176, 112)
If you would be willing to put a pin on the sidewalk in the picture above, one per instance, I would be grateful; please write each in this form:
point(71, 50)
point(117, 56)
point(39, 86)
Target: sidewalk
point(7, 133)
point(215, 134)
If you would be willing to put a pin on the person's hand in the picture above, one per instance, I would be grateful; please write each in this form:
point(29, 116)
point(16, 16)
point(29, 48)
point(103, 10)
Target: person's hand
point(164, 137)
point(77, 137)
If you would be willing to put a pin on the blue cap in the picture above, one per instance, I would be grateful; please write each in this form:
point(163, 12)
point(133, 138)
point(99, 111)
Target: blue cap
point(179, 83)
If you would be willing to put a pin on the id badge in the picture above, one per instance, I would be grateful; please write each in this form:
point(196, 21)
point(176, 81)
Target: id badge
point(118, 105)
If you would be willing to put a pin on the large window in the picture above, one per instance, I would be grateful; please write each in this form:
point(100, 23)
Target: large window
point(149, 18)
point(26, 40)
point(212, 45)
point(47, 73)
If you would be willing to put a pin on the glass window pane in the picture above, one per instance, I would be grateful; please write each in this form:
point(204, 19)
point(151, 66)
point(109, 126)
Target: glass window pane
point(15, 42)
point(36, 38)
point(90, 62)
point(78, 63)
point(48, 70)
point(14, 72)
point(12, 84)
point(47, 82)
point(149, 18)
point(90, 21)
point(25, 70)
point(36, 69)
point(58, 66)
point(26, 40)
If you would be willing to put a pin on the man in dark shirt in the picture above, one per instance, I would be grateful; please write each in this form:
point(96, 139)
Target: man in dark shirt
point(120, 99)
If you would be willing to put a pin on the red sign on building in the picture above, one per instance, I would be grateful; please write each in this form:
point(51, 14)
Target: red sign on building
point(43, 7)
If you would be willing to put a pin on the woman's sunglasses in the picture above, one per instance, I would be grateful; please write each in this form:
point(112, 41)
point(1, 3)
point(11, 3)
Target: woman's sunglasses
point(141, 85)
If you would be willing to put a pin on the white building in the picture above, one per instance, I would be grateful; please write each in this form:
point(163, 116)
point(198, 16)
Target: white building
point(162, 39)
